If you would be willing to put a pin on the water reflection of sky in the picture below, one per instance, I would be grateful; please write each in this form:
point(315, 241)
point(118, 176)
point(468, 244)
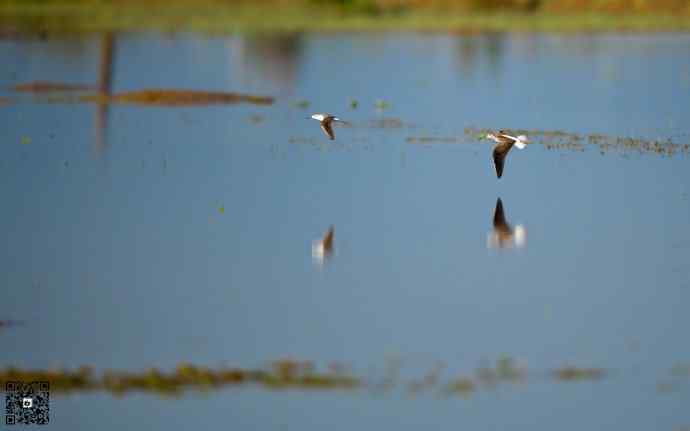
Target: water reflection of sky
point(124, 261)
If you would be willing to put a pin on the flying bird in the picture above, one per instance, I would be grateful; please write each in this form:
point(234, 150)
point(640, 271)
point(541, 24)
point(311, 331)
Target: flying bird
point(503, 235)
point(327, 121)
point(504, 143)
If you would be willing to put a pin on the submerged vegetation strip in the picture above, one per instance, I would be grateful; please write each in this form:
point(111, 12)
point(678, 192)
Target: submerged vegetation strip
point(167, 97)
point(280, 375)
point(49, 87)
point(574, 373)
point(62, 92)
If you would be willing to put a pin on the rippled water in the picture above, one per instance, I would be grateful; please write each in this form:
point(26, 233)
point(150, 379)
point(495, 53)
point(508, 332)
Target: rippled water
point(143, 236)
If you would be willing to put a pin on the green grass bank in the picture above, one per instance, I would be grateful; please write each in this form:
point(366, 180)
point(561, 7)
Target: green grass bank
point(215, 16)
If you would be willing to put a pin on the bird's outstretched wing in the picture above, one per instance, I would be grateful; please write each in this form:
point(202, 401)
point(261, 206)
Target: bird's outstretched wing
point(327, 129)
point(500, 152)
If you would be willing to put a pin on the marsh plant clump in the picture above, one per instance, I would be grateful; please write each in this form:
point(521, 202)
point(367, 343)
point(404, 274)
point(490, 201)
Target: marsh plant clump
point(574, 373)
point(462, 386)
point(381, 105)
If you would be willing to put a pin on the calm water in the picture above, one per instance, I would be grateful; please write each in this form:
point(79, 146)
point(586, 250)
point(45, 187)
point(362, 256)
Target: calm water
point(139, 236)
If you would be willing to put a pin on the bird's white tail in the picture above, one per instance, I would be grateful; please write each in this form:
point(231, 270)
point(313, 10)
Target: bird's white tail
point(520, 236)
point(521, 142)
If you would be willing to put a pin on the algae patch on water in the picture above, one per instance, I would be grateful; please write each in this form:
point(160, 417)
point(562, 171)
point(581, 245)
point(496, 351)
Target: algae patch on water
point(463, 386)
point(432, 140)
point(169, 97)
point(301, 104)
point(389, 123)
point(575, 373)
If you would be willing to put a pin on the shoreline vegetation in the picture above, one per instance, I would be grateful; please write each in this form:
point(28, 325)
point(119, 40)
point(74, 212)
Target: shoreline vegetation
point(461, 16)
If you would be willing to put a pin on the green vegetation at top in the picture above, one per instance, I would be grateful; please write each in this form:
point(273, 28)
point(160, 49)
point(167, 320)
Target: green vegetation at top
point(225, 16)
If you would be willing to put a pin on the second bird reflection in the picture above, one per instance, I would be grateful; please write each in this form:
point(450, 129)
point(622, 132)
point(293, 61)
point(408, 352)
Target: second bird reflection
point(503, 234)
point(322, 249)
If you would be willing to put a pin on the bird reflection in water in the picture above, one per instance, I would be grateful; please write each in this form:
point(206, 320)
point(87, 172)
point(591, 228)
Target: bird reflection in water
point(503, 234)
point(322, 249)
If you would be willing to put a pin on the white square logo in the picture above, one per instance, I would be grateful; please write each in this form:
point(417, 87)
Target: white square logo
point(27, 403)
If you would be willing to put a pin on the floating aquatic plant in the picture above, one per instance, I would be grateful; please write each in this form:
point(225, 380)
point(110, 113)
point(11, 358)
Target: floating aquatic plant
point(387, 123)
point(431, 140)
point(681, 370)
point(256, 118)
point(381, 105)
point(168, 97)
point(463, 386)
point(573, 373)
point(50, 87)
point(302, 104)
